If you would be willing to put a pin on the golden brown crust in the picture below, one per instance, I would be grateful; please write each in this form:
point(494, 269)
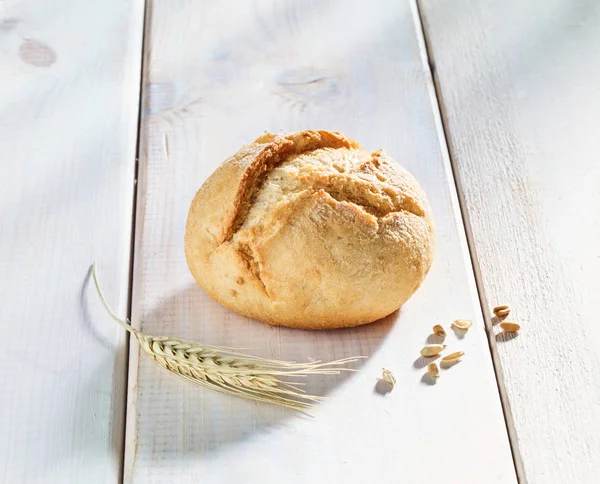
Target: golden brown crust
point(309, 230)
point(248, 166)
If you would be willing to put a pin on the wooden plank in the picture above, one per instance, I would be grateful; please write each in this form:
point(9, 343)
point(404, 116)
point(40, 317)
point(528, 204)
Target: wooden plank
point(519, 87)
point(219, 75)
point(68, 123)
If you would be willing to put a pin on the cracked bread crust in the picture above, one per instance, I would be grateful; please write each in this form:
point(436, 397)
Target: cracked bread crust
point(309, 230)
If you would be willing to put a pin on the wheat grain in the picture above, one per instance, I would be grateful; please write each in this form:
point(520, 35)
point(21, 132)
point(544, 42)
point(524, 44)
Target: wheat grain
point(510, 327)
point(462, 324)
point(438, 330)
point(433, 370)
point(432, 350)
point(388, 377)
point(227, 371)
point(452, 357)
point(501, 311)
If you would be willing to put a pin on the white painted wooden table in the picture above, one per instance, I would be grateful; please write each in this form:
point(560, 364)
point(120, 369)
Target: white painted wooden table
point(113, 113)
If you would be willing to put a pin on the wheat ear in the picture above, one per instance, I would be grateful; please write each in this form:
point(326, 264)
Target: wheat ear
point(221, 369)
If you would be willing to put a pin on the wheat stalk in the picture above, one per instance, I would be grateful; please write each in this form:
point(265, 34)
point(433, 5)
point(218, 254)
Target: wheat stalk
point(224, 370)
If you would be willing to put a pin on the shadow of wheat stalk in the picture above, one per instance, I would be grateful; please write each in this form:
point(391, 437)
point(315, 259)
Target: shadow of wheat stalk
point(221, 369)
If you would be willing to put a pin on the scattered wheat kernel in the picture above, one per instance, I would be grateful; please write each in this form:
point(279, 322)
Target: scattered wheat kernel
point(456, 356)
point(432, 350)
point(463, 324)
point(509, 327)
point(501, 311)
point(439, 331)
point(433, 370)
point(388, 376)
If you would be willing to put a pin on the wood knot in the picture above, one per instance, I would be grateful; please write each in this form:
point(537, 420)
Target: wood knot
point(36, 53)
point(9, 23)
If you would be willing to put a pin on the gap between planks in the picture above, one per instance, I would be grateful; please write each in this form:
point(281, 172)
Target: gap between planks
point(132, 241)
point(437, 107)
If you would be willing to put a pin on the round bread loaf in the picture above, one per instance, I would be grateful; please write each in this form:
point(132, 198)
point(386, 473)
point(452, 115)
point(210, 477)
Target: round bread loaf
point(309, 230)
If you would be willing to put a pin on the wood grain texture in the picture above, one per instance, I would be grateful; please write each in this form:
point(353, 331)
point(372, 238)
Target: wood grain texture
point(218, 75)
point(68, 119)
point(518, 82)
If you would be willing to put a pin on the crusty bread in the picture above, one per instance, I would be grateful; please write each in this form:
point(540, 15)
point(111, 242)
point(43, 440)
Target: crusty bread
point(309, 230)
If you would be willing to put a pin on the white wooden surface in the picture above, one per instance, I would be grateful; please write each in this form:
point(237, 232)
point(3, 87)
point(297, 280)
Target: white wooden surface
point(521, 95)
point(219, 74)
point(68, 116)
